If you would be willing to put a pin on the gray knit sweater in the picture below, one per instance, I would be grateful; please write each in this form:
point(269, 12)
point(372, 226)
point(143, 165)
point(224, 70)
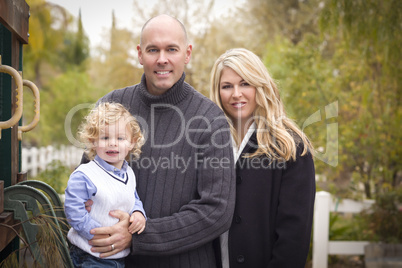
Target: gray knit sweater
point(185, 176)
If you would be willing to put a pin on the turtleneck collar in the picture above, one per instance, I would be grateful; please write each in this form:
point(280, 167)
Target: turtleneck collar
point(173, 96)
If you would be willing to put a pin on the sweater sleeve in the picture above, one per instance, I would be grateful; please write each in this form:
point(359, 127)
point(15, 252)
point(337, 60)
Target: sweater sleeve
point(295, 213)
point(209, 213)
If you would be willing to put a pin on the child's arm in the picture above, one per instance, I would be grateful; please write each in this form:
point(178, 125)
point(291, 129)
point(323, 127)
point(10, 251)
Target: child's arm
point(79, 190)
point(138, 205)
point(138, 217)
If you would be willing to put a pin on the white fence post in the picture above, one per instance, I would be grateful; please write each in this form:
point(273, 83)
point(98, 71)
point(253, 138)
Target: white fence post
point(42, 158)
point(321, 230)
point(34, 163)
point(50, 154)
point(61, 156)
point(322, 246)
point(24, 158)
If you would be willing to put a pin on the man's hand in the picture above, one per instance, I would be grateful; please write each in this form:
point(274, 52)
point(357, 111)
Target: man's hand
point(113, 239)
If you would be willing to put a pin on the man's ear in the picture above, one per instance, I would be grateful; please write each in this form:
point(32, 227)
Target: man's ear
point(188, 54)
point(139, 54)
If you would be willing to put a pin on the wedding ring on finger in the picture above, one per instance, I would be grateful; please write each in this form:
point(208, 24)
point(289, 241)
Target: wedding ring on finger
point(112, 247)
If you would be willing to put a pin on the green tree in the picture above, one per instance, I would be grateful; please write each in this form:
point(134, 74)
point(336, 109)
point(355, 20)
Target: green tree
point(116, 64)
point(222, 34)
point(76, 46)
point(305, 77)
point(54, 60)
point(353, 63)
point(373, 30)
point(73, 88)
point(264, 20)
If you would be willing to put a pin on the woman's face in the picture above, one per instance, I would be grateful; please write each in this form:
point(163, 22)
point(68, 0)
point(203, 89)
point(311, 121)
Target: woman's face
point(238, 97)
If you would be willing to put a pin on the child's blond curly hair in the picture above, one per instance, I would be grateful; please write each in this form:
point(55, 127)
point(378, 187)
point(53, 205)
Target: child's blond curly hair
point(107, 113)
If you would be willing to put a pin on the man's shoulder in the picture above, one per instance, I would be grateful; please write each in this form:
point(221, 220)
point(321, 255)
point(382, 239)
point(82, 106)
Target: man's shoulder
point(205, 105)
point(117, 95)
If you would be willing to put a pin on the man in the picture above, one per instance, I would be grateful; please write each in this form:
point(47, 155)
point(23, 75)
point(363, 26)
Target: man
point(185, 175)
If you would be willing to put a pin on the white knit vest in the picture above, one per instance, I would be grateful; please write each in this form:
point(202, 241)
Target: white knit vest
point(112, 193)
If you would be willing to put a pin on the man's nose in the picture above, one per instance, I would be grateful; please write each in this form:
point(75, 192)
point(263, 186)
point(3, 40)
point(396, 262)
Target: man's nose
point(162, 59)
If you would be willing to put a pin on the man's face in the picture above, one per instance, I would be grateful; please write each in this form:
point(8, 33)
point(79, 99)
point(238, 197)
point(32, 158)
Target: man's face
point(163, 52)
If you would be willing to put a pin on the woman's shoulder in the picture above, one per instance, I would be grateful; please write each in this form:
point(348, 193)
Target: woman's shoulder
point(302, 149)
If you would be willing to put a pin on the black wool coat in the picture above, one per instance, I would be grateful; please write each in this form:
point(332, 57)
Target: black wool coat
point(274, 211)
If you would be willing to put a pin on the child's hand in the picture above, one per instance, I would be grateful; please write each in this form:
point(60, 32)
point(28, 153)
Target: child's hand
point(137, 223)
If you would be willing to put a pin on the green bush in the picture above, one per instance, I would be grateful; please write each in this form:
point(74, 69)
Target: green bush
point(384, 218)
point(56, 175)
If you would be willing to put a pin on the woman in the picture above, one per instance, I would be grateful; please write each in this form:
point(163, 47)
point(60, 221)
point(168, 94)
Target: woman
point(275, 188)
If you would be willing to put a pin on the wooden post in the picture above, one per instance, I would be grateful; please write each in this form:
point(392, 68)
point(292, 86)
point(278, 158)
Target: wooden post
point(14, 22)
point(14, 18)
point(22, 176)
point(1, 196)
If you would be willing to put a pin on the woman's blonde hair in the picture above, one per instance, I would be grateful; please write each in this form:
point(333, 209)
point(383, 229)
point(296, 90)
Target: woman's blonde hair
point(107, 113)
point(277, 134)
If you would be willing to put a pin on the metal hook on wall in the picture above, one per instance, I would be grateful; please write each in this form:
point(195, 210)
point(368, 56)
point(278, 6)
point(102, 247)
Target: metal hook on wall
point(19, 101)
point(35, 120)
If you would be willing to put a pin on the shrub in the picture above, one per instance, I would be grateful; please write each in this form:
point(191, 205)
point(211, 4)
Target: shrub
point(384, 218)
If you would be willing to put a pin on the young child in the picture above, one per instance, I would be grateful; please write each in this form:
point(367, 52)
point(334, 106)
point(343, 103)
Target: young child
point(110, 133)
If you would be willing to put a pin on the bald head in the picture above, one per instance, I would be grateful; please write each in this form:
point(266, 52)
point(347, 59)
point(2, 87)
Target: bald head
point(163, 52)
point(163, 20)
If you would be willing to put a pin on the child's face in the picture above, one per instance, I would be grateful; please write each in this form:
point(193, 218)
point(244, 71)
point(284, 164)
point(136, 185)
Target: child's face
point(114, 143)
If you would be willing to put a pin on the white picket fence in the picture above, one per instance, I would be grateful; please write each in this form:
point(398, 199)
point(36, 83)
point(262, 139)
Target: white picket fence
point(322, 246)
point(35, 160)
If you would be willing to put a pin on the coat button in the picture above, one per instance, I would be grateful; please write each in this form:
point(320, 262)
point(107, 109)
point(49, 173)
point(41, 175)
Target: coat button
point(240, 259)
point(238, 179)
point(237, 219)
